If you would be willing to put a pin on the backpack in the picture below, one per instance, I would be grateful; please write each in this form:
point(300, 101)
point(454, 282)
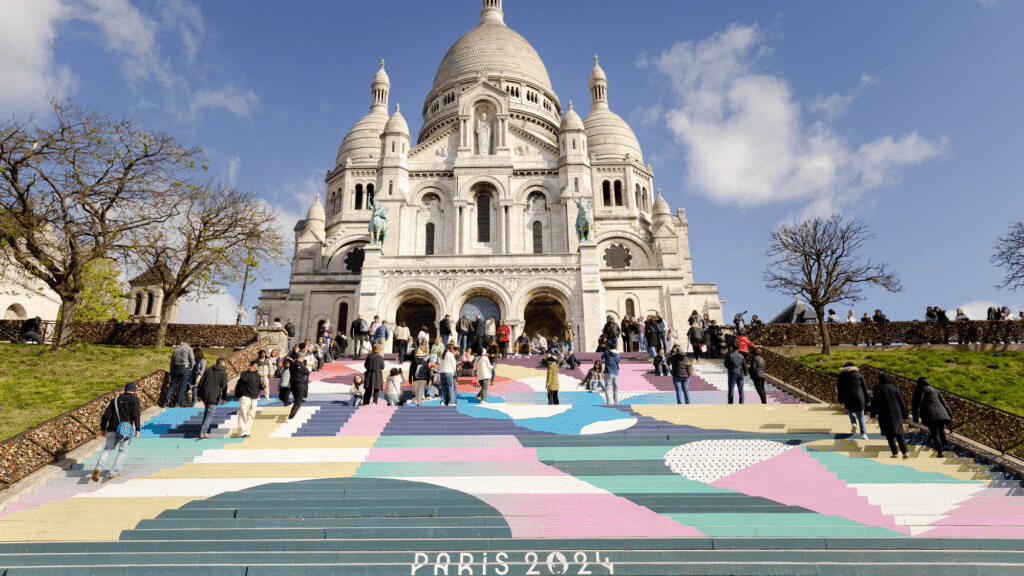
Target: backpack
point(362, 328)
point(125, 430)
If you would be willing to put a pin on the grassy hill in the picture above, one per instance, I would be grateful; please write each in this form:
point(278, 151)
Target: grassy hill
point(995, 378)
point(37, 384)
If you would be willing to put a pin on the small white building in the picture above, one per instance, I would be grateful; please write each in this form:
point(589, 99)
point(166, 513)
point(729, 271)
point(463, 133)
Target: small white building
point(146, 295)
point(23, 296)
point(482, 211)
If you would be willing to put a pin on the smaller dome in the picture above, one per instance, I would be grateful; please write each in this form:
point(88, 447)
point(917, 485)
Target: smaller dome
point(597, 74)
point(661, 207)
point(316, 211)
point(381, 77)
point(572, 121)
point(363, 140)
point(610, 137)
point(397, 124)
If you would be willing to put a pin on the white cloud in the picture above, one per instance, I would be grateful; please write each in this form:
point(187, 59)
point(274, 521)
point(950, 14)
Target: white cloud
point(216, 308)
point(746, 142)
point(234, 164)
point(143, 38)
point(28, 72)
point(978, 309)
point(835, 105)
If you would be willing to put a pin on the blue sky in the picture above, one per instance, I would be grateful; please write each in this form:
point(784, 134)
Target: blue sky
point(905, 114)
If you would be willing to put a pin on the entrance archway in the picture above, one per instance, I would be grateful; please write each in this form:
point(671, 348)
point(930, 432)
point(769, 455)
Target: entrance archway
point(545, 315)
point(480, 306)
point(418, 313)
point(15, 312)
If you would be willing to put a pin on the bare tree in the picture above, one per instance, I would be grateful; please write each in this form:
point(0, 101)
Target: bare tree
point(72, 190)
point(1010, 256)
point(818, 260)
point(215, 233)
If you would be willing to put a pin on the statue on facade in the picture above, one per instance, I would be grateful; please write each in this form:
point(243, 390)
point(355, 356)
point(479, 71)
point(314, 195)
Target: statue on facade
point(378, 224)
point(483, 135)
point(584, 220)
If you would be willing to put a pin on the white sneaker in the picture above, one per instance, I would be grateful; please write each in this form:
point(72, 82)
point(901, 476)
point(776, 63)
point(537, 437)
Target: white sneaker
point(864, 437)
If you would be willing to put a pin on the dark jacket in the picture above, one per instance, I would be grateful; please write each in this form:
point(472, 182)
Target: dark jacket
point(373, 378)
point(611, 331)
point(680, 367)
point(757, 367)
point(289, 329)
point(735, 363)
point(213, 386)
point(445, 328)
point(888, 406)
point(481, 328)
point(929, 404)
point(298, 374)
point(249, 385)
point(128, 407)
point(852, 389)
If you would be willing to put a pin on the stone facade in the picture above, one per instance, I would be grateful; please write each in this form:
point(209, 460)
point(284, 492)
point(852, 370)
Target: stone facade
point(481, 214)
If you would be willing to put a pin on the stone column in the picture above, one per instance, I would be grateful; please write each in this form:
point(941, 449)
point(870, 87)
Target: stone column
point(592, 294)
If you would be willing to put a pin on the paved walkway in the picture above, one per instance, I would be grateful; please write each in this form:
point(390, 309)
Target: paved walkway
point(636, 488)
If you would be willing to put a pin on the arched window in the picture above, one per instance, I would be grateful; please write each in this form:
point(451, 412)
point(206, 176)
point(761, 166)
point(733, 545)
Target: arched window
point(538, 238)
point(630, 307)
point(639, 199)
point(149, 304)
point(430, 239)
point(138, 303)
point(342, 316)
point(618, 193)
point(369, 196)
point(483, 218)
point(359, 196)
point(576, 185)
point(573, 143)
point(606, 187)
point(647, 200)
point(391, 187)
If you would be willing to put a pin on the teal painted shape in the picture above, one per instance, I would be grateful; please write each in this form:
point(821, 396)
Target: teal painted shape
point(572, 421)
point(604, 453)
point(651, 484)
point(868, 471)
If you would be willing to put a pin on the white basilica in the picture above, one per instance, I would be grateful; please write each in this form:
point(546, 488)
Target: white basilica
point(481, 212)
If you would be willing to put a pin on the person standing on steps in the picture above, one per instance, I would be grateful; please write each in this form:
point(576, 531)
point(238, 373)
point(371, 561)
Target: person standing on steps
point(373, 377)
point(289, 329)
point(402, 335)
point(247, 390)
point(465, 331)
point(198, 368)
point(504, 337)
point(928, 404)
point(483, 376)
point(551, 383)
point(123, 408)
point(182, 360)
point(682, 371)
point(853, 394)
point(757, 376)
point(445, 329)
point(736, 365)
point(610, 360)
point(446, 371)
point(360, 333)
point(611, 333)
point(888, 406)
point(298, 380)
point(213, 390)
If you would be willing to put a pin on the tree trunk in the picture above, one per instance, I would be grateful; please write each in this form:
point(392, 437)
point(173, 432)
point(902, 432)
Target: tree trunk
point(826, 345)
point(165, 310)
point(64, 333)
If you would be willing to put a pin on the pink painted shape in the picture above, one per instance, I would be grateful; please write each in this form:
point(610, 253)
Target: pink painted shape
point(509, 386)
point(489, 454)
point(812, 487)
point(631, 378)
point(1015, 532)
point(607, 516)
point(369, 420)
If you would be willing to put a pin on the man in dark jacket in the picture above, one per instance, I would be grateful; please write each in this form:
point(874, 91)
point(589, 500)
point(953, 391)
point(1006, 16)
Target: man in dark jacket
point(611, 333)
point(736, 365)
point(757, 376)
point(213, 390)
point(360, 333)
point(247, 390)
point(30, 331)
point(928, 404)
point(888, 406)
point(289, 329)
point(445, 329)
point(182, 360)
point(465, 331)
point(299, 381)
point(123, 408)
point(853, 394)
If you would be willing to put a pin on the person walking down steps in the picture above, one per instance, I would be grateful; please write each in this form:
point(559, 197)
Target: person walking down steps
point(121, 422)
point(888, 406)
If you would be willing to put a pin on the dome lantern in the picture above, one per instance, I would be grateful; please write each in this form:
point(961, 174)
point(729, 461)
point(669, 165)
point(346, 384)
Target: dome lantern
point(380, 87)
point(492, 12)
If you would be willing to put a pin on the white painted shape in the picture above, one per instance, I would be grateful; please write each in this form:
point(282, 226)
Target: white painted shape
point(709, 460)
point(608, 426)
point(525, 411)
point(478, 485)
point(290, 427)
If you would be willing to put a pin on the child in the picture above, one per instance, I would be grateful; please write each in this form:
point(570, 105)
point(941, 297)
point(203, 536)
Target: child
point(552, 383)
point(356, 392)
point(394, 387)
point(483, 375)
point(594, 378)
point(660, 366)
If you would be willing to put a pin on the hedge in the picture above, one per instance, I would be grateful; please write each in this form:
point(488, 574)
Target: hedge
point(914, 332)
point(50, 441)
point(134, 334)
point(982, 423)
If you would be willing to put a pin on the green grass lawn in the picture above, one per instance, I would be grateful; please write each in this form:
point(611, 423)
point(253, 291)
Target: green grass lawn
point(995, 378)
point(37, 384)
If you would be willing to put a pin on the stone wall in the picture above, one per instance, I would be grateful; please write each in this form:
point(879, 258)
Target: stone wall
point(125, 334)
point(51, 440)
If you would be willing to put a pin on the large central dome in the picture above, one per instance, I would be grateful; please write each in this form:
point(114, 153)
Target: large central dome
point(492, 48)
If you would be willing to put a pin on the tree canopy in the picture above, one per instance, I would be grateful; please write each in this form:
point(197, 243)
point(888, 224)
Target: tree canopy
point(1009, 256)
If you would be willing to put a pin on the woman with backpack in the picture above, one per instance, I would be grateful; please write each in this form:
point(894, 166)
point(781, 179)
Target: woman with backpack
point(928, 404)
point(121, 422)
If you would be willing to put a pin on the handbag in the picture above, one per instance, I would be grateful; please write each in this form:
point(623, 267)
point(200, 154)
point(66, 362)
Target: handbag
point(125, 430)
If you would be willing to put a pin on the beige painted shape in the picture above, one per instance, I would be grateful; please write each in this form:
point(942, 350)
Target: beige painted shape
point(99, 518)
point(261, 470)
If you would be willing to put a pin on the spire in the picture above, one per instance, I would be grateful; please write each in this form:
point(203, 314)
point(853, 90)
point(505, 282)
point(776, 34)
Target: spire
point(380, 87)
point(598, 86)
point(492, 12)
